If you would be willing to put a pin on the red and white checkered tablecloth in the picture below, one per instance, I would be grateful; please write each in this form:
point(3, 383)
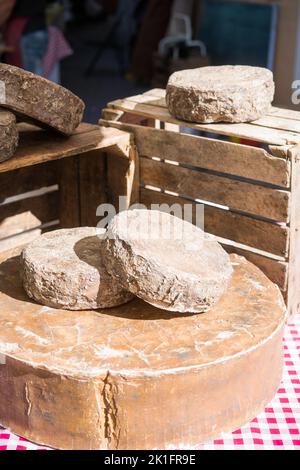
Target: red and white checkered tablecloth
point(278, 427)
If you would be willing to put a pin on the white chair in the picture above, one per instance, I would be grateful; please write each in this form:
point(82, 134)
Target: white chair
point(180, 34)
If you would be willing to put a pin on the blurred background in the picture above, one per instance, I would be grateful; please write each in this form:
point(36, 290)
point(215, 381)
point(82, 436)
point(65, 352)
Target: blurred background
point(108, 49)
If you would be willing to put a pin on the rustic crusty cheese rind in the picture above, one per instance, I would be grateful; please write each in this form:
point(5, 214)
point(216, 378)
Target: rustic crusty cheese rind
point(180, 270)
point(64, 269)
point(229, 93)
point(36, 99)
point(9, 135)
point(134, 377)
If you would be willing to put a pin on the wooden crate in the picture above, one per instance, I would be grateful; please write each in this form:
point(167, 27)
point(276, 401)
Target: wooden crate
point(251, 189)
point(53, 182)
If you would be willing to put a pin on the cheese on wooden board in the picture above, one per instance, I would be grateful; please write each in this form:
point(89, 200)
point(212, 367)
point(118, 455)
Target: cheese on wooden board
point(134, 377)
point(228, 93)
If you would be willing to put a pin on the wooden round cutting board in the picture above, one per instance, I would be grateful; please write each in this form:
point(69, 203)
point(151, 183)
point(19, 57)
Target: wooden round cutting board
point(134, 377)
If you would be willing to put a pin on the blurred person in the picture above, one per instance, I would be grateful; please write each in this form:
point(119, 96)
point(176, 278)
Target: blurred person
point(37, 47)
point(154, 26)
point(122, 23)
point(27, 33)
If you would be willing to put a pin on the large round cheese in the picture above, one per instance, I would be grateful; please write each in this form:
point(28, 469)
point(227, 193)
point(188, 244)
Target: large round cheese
point(166, 261)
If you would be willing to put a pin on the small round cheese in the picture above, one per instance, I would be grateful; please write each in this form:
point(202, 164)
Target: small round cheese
point(64, 269)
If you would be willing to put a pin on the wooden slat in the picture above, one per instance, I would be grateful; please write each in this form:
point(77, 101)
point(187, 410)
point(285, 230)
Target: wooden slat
point(240, 196)
point(27, 179)
point(18, 223)
point(158, 97)
point(277, 118)
point(245, 131)
point(92, 182)
point(116, 179)
point(133, 177)
point(69, 193)
point(158, 92)
point(276, 271)
point(123, 179)
point(111, 114)
point(226, 224)
point(13, 240)
point(225, 157)
point(38, 145)
point(17, 228)
point(148, 99)
point(44, 208)
point(294, 261)
point(15, 237)
point(285, 113)
point(280, 123)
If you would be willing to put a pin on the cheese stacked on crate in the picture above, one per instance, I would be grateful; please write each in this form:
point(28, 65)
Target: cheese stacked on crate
point(247, 175)
point(230, 93)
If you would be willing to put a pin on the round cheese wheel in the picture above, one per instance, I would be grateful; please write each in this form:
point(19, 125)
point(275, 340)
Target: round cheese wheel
point(166, 261)
point(64, 269)
point(9, 135)
point(35, 99)
point(229, 93)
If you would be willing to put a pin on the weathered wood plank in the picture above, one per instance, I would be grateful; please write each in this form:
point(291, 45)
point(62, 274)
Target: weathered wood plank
point(44, 208)
point(278, 122)
point(242, 229)
point(22, 229)
point(117, 170)
point(27, 179)
point(17, 229)
point(158, 92)
point(237, 195)
point(111, 114)
point(12, 240)
point(294, 261)
point(276, 271)
point(92, 181)
point(158, 95)
point(285, 113)
point(18, 223)
point(242, 130)
point(123, 179)
point(69, 193)
point(38, 145)
point(225, 157)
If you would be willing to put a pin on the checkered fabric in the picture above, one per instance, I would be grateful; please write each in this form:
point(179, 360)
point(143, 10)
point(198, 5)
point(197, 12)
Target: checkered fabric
point(278, 427)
